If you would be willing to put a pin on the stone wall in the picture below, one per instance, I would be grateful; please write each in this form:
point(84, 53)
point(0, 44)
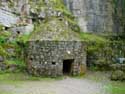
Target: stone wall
point(92, 15)
point(45, 58)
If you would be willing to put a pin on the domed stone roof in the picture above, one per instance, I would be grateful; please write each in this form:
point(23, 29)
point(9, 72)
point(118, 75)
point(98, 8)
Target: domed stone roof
point(56, 30)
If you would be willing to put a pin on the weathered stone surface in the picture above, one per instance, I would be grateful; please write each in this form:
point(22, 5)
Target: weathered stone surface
point(45, 58)
point(1, 59)
point(12, 68)
point(55, 30)
point(11, 51)
point(23, 29)
point(16, 15)
point(7, 18)
point(2, 66)
point(23, 7)
point(92, 15)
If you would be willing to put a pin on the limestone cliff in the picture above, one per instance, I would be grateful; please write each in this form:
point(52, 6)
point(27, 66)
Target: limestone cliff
point(92, 15)
point(97, 15)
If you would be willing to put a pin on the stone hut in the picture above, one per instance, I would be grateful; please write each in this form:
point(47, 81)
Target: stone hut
point(55, 53)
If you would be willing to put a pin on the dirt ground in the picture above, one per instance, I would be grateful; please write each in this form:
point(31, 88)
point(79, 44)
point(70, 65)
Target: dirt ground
point(67, 85)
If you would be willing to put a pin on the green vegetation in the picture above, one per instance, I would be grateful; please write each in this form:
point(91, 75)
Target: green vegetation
point(101, 49)
point(21, 76)
point(116, 88)
point(54, 29)
point(11, 58)
point(90, 37)
point(54, 6)
point(5, 92)
point(3, 37)
point(23, 38)
point(98, 50)
point(15, 62)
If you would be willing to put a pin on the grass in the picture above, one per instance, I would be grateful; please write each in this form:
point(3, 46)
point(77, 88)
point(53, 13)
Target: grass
point(15, 62)
point(5, 92)
point(89, 37)
point(116, 88)
point(19, 77)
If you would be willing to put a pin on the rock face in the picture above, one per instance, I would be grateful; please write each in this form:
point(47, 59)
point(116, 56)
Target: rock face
point(2, 65)
point(119, 14)
point(14, 16)
point(55, 58)
point(26, 30)
point(92, 15)
point(6, 18)
point(1, 59)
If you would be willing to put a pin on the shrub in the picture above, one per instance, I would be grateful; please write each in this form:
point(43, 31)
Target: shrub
point(118, 75)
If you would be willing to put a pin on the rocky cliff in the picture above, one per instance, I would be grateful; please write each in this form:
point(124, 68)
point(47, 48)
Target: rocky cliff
point(91, 15)
point(96, 15)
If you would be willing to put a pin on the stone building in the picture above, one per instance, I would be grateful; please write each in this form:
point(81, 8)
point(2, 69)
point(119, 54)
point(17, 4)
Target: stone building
point(55, 52)
point(55, 58)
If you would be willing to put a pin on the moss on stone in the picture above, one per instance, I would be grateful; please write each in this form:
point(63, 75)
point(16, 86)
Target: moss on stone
point(54, 29)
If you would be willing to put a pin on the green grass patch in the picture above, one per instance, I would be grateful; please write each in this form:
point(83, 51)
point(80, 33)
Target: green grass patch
point(13, 76)
point(116, 88)
point(15, 62)
point(90, 37)
point(22, 77)
point(5, 92)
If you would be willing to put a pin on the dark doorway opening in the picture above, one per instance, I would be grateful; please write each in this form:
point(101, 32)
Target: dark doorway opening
point(67, 66)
